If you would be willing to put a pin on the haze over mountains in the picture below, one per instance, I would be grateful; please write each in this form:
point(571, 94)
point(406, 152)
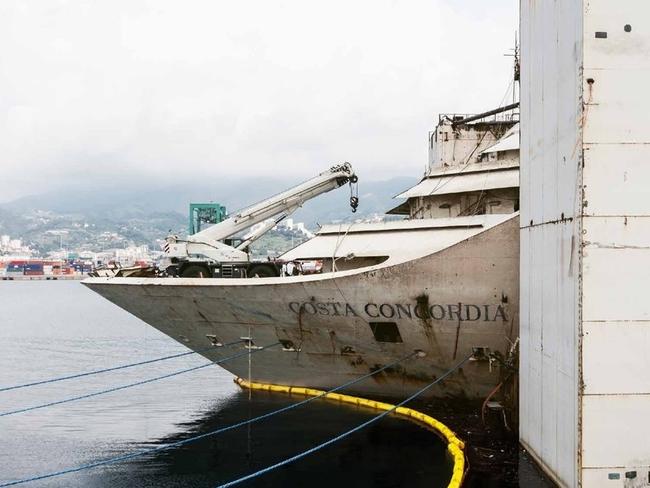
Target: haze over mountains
point(102, 215)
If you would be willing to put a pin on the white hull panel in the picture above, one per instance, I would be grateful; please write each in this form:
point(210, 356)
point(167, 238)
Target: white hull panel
point(444, 304)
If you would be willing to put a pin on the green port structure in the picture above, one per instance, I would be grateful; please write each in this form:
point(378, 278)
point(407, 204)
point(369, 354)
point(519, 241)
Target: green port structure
point(202, 214)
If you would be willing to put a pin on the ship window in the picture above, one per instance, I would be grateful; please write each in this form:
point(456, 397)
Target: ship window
point(385, 331)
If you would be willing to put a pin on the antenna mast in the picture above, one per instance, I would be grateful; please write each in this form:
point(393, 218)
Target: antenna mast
point(516, 68)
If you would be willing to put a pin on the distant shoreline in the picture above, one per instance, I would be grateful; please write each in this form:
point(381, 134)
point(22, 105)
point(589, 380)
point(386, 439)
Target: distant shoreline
point(43, 278)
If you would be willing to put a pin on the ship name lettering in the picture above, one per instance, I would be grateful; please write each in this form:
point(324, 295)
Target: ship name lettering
point(437, 312)
point(403, 311)
point(375, 310)
point(468, 312)
point(350, 311)
point(334, 309)
point(453, 312)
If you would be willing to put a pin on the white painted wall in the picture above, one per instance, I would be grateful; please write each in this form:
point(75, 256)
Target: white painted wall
point(616, 243)
point(550, 231)
point(585, 299)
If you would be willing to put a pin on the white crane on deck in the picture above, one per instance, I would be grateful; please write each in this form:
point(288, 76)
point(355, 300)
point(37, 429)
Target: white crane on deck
point(214, 253)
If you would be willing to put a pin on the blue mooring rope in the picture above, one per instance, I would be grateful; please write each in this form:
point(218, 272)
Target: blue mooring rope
point(123, 387)
point(190, 440)
point(106, 370)
point(343, 435)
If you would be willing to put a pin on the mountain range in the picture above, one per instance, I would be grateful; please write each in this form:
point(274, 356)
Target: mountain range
point(106, 215)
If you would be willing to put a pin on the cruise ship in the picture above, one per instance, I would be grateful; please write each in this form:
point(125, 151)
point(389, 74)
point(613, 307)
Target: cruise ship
point(443, 281)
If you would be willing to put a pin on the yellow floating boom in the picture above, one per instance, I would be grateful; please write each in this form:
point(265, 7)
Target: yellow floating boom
point(455, 446)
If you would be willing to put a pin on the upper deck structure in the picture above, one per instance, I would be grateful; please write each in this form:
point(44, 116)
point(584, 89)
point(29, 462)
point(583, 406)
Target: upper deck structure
point(473, 167)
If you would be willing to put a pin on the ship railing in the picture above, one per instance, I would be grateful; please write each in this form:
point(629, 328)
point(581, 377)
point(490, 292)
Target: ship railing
point(509, 113)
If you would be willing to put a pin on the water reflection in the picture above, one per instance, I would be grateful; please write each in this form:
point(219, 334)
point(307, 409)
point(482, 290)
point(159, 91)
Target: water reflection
point(54, 328)
point(392, 453)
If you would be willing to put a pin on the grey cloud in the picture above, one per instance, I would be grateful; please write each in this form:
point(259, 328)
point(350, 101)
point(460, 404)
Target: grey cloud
point(161, 89)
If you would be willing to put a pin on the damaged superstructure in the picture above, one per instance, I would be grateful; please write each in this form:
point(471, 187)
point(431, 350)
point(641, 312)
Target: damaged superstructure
point(473, 167)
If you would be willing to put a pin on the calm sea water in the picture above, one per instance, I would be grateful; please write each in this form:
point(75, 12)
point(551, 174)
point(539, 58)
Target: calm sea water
point(49, 329)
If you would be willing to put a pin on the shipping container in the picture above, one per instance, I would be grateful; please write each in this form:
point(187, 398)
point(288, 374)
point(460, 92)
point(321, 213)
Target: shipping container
point(33, 268)
point(15, 267)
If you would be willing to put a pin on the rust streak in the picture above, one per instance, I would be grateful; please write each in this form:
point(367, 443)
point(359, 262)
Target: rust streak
point(422, 304)
point(457, 335)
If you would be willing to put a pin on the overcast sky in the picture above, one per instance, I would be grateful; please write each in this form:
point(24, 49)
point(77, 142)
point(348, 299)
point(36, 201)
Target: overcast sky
point(161, 90)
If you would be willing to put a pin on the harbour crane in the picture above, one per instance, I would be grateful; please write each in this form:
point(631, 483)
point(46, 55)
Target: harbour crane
point(216, 253)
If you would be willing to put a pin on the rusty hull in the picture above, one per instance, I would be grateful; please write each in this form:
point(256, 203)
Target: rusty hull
point(444, 304)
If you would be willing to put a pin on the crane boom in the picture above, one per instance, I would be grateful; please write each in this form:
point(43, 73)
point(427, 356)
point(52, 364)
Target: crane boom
point(285, 202)
point(205, 254)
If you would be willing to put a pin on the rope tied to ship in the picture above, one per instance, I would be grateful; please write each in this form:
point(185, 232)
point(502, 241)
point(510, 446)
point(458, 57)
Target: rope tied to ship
point(189, 440)
point(115, 368)
point(137, 383)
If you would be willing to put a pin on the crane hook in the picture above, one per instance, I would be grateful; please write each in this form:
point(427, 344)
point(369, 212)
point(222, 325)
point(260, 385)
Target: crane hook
point(354, 203)
point(354, 194)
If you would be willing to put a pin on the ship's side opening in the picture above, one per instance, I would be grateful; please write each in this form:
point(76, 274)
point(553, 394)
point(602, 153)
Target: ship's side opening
point(385, 331)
